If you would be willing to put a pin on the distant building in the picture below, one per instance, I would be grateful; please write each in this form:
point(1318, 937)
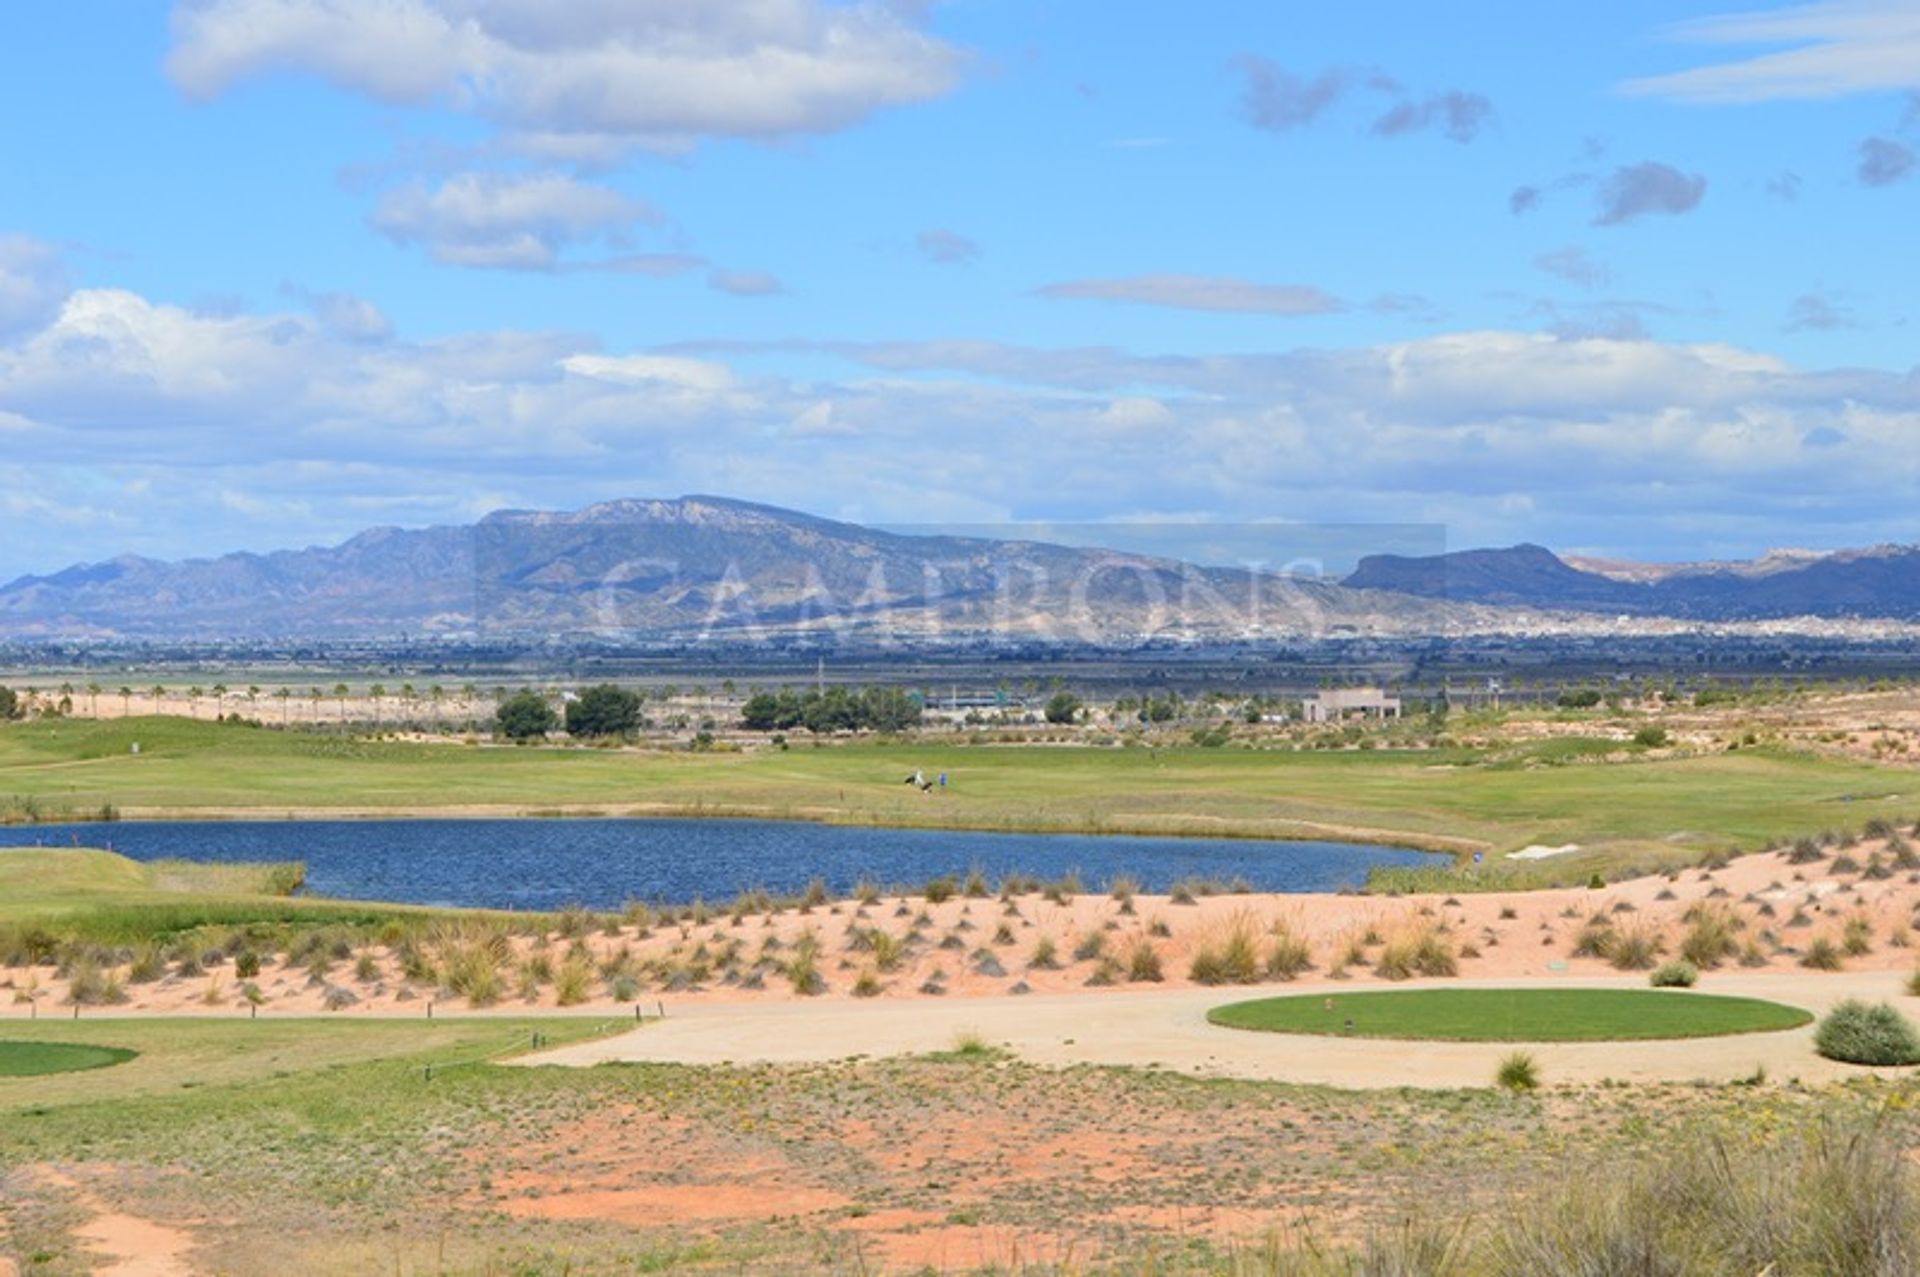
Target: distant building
point(1350, 702)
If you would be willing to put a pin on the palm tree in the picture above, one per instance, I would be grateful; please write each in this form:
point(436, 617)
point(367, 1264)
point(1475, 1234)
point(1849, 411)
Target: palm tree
point(126, 702)
point(377, 691)
point(286, 699)
point(159, 695)
point(93, 700)
point(340, 694)
point(194, 694)
point(220, 699)
point(316, 695)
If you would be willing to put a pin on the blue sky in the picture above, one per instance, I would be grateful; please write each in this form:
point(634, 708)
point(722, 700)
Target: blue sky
point(1630, 279)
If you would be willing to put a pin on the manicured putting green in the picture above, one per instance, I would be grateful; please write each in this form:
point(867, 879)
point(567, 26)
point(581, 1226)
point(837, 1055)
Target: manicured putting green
point(1513, 1015)
point(33, 1059)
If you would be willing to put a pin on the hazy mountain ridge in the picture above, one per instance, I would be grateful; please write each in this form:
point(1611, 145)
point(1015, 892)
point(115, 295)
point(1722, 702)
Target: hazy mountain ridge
point(1880, 582)
point(692, 565)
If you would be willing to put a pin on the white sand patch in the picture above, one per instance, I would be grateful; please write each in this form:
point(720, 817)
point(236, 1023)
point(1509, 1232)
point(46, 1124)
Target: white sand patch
point(1540, 852)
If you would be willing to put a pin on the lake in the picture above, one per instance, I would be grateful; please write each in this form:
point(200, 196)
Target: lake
point(545, 864)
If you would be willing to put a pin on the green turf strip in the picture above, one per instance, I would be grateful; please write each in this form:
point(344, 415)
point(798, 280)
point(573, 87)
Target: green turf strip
point(34, 1059)
point(1513, 1015)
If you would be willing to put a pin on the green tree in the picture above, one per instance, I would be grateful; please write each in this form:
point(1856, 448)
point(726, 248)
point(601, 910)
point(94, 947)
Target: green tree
point(9, 703)
point(1063, 708)
point(605, 710)
point(525, 716)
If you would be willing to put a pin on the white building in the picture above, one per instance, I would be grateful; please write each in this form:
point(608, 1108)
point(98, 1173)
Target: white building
point(1351, 702)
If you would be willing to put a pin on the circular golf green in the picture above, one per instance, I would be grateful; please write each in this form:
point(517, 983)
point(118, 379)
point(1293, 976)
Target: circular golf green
point(33, 1059)
point(1513, 1015)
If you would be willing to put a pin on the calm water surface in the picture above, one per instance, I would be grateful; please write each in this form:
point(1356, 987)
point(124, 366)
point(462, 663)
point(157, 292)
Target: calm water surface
point(544, 864)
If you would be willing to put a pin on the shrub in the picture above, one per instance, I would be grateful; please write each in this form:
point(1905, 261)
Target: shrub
point(1857, 937)
point(573, 982)
point(940, 890)
point(148, 965)
point(1856, 1032)
point(867, 985)
point(1143, 962)
point(1712, 937)
point(1045, 955)
point(1822, 955)
point(1518, 1072)
point(888, 950)
point(1636, 949)
point(1680, 974)
point(803, 968)
point(1091, 946)
point(1596, 940)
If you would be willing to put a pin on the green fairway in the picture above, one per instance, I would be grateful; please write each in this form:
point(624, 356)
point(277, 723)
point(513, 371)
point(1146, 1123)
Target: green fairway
point(1513, 1015)
point(36, 1059)
point(239, 1057)
point(1539, 792)
point(104, 898)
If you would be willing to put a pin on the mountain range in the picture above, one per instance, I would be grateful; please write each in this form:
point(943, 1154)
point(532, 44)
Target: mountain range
point(1882, 583)
point(713, 566)
point(694, 566)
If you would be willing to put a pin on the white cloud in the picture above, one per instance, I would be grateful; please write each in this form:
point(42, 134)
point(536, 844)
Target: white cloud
point(1201, 292)
point(345, 315)
point(1840, 47)
point(632, 370)
point(33, 283)
point(177, 420)
point(508, 221)
point(602, 75)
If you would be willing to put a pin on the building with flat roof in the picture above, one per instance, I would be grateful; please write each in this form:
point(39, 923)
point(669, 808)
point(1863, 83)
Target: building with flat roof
point(1350, 702)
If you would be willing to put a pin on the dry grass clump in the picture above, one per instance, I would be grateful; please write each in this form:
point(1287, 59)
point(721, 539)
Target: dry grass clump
point(1288, 953)
point(1713, 935)
point(1421, 950)
point(1143, 962)
point(1832, 1196)
point(803, 967)
point(1822, 955)
point(470, 955)
point(1230, 956)
point(1635, 948)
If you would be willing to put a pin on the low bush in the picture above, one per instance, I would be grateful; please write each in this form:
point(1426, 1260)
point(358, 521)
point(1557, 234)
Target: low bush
point(1679, 974)
point(1856, 1032)
point(1518, 1072)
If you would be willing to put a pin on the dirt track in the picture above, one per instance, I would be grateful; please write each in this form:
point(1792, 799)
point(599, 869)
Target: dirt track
point(1169, 1029)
